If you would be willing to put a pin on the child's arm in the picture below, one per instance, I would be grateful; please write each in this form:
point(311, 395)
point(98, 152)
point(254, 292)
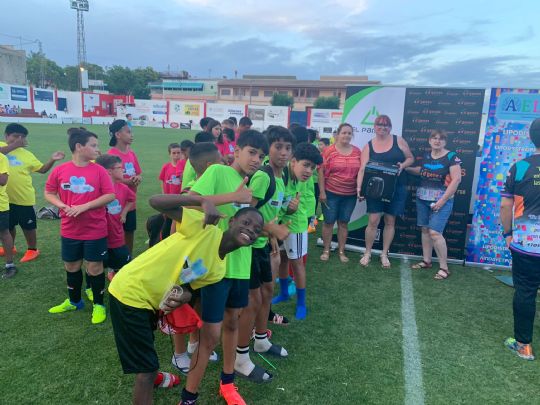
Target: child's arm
point(53, 198)
point(55, 157)
point(128, 207)
point(76, 210)
point(171, 205)
point(242, 195)
point(293, 205)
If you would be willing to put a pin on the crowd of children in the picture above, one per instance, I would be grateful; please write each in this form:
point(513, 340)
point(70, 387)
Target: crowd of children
point(254, 192)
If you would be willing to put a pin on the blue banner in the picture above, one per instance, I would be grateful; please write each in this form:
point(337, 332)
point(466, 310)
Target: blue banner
point(506, 141)
point(19, 93)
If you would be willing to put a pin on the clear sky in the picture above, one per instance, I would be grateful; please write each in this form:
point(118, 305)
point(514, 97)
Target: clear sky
point(492, 43)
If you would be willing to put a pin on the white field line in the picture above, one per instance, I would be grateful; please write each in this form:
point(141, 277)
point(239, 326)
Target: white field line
point(412, 359)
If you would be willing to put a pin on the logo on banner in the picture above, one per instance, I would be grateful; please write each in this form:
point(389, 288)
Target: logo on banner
point(192, 109)
point(19, 93)
point(174, 125)
point(517, 106)
point(370, 116)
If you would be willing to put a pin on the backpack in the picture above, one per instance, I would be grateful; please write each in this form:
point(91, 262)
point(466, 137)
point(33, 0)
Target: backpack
point(48, 212)
point(272, 186)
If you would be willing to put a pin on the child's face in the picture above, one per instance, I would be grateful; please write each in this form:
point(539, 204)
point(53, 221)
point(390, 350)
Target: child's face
point(216, 131)
point(90, 151)
point(125, 135)
point(185, 152)
point(280, 153)
point(14, 137)
point(302, 169)
point(175, 154)
point(322, 146)
point(117, 172)
point(248, 159)
point(246, 228)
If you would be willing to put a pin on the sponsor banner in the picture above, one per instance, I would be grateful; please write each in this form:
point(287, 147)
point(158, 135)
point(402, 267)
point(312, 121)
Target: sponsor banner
point(4, 91)
point(256, 113)
point(192, 110)
point(221, 112)
point(325, 121)
point(506, 141)
point(415, 112)
point(19, 93)
point(43, 95)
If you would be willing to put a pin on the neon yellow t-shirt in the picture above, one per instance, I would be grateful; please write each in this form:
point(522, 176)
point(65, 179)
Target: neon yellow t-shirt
point(308, 198)
point(143, 282)
point(189, 174)
point(4, 168)
point(22, 163)
point(221, 179)
point(259, 184)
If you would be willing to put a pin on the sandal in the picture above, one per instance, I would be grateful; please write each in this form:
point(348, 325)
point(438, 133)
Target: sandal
point(422, 265)
point(343, 258)
point(277, 319)
point(256, 375)
point(442, 274)
point(385, 263)
point(364, 261)
point(325, 255)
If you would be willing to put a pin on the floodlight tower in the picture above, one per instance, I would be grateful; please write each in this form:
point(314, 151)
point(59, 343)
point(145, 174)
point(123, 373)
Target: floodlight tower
point(81, 6)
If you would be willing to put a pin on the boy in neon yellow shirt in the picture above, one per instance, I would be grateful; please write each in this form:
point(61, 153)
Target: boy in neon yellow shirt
point(7, 241)
point(137, 291)
point(22, 196)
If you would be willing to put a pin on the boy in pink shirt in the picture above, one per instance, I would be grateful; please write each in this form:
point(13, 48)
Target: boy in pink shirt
point(171, 172)
point(81, 190)
point(117, 252)
point(120, 142)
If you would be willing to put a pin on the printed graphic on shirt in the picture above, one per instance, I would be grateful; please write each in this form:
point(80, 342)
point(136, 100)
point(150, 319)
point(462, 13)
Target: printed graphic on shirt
point(279, 201)
point(129, 169)
point(193, 271)
point(114, 207)
point(13, 161)
point(174, 180)
point(77, 185)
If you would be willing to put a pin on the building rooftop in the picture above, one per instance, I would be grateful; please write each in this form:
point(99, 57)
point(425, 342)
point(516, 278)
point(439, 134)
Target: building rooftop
point(293, 83)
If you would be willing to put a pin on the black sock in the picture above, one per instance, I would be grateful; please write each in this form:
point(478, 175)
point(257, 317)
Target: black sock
point(87, 278)
point(227, 378)
point(74, 284)
point(242, 350)
point(32, 248)
point(189, 396)
point(98, 287)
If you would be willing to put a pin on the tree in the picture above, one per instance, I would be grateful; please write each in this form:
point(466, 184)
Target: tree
point(36, 63)
point(282, 100)
point(70, 80)
point(123, 80)
point(327, 103)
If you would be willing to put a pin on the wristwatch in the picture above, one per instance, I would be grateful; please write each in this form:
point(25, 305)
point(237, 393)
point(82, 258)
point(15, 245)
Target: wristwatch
point(506, 234)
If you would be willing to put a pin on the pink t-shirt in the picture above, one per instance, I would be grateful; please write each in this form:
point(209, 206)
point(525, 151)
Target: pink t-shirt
point(225, 148)
point(77, 185)
point(124, 195)
point(130, 163)
point(340, 171)
point(171, 177)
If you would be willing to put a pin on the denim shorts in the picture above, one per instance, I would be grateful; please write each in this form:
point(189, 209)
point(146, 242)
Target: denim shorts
point(395, 208)
point(435, 220)
point(338, 207)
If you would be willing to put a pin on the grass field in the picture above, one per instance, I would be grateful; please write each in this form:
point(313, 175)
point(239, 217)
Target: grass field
point(350, 350)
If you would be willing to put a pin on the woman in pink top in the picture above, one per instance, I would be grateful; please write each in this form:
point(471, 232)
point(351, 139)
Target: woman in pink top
point(337, 185)
point(214, 127)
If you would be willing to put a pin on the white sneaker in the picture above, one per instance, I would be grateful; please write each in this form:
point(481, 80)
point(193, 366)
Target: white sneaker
point(181, 362)
point(193, 346)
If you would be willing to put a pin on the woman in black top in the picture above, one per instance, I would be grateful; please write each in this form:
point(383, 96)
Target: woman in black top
point(390, 149)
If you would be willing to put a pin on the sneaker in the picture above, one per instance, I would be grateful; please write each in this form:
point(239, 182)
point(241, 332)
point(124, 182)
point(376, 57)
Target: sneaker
point(229, 392)
point(9, 272)
point(30, 255)
point(89, 294)
point(67, 306)
point(99, 314)
point(3, 253)
point(522, 350)
point(181, 362)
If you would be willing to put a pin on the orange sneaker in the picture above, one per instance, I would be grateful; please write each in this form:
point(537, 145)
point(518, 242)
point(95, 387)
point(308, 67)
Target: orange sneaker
point(2, 253)
point(30, 255)
point(230, 394)
point(522, 350)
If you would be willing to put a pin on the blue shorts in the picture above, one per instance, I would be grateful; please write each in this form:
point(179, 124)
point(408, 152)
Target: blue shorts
point(74, 250)
point(435, 220)
point(395, 208)
point(227, 293)
point(338, 207)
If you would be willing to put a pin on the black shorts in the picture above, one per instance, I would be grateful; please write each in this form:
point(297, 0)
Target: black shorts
point(261, 271)
point(74, 250)
point(22, 215)
point(4, 220)
point(131, 221)
point(227, 293)
point(117, 258)
point(134, 336)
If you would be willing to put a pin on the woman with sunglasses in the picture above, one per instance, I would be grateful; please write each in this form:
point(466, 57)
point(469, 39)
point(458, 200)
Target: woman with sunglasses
point(389, 149)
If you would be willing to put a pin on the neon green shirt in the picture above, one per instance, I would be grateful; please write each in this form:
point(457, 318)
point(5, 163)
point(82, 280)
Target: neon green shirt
point(189, 174)
point(221, 179)
point(309, 197)
point(298, 220)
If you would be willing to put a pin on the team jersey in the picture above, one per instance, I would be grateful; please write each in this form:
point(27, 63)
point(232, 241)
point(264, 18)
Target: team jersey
point(22, 163)
point(4, 169)
point(523, 185)
point(221, 179)
point(225, 148)
point(144, 281)
point(123, 195)
point(259, 184)
point(77, 185)
point(435, 175)
point(171, 177)
point(299, 222)
point(130, 164)
point(189, 174)
point(309, 197)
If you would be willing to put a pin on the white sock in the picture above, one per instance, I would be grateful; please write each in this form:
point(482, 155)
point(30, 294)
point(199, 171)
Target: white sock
point(191, 347)
point(261, 344)
point(243, 363)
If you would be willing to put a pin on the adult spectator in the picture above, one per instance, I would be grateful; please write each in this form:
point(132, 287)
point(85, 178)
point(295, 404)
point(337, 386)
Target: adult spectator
point(520, 210)
point(440, 175)
point(391, 150)
point(337, 186)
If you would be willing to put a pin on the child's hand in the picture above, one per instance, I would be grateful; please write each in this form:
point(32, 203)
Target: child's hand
point(75, 210)
point(243, 194)
point(278, 231)
point(211, 214)
point(20, 142)
point(58, 155)
point(136, 180)
point(123, 217)
point(293, 205)
point(174, 301)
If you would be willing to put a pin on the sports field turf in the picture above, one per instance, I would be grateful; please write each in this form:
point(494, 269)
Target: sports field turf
point(350, 350)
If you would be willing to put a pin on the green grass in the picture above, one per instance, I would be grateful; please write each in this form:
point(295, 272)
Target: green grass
point(348, 351)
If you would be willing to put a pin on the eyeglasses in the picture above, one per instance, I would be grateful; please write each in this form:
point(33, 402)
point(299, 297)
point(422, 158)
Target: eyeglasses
point(383, 126)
